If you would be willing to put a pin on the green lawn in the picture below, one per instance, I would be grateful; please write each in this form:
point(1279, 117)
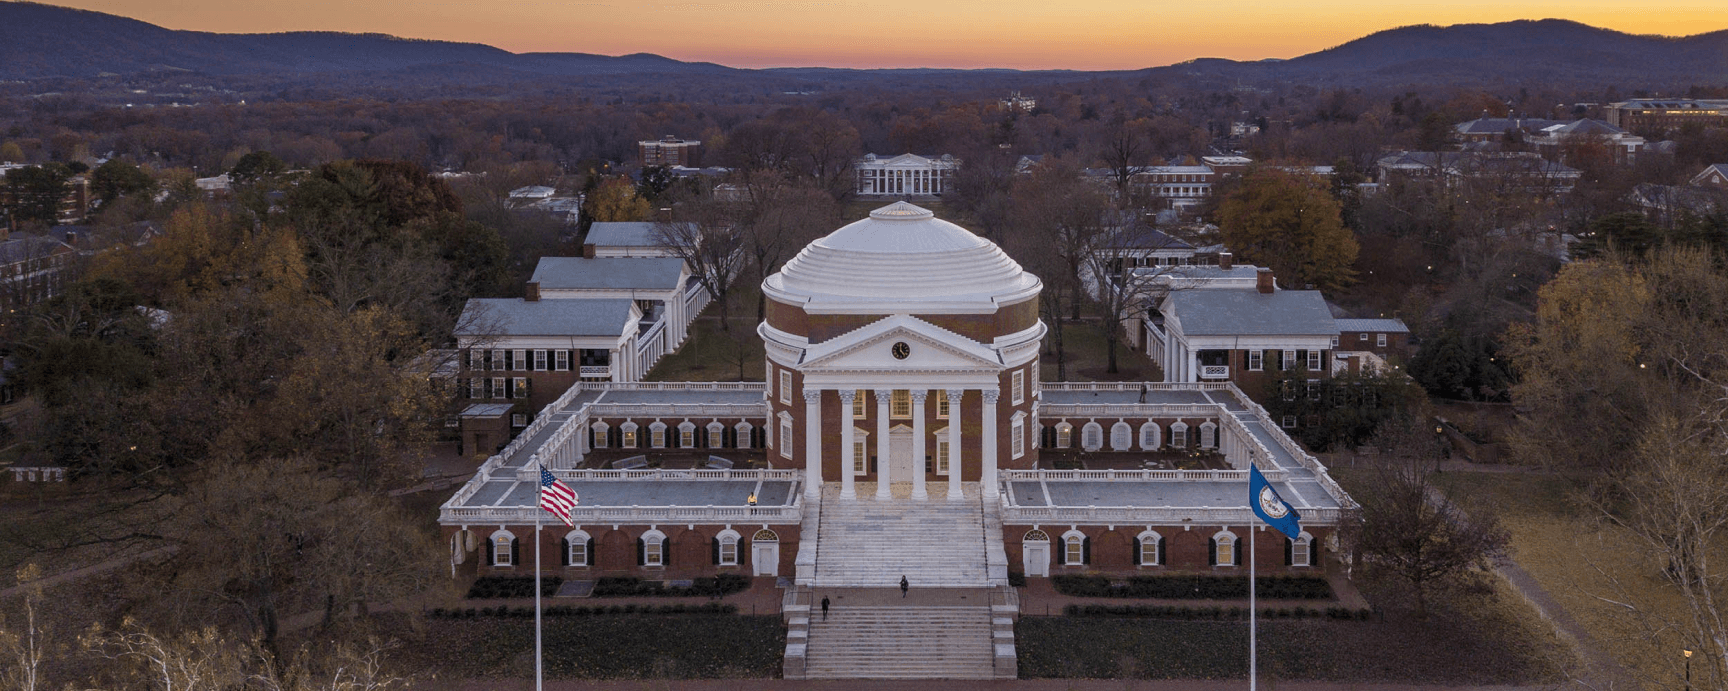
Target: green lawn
point(602, 647)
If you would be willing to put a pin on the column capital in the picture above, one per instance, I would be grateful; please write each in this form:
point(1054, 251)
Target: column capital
point(991, 396)
point(846, 395)
point(883, 395)
point(812, 395)
point(918, 395)
point(954, 395)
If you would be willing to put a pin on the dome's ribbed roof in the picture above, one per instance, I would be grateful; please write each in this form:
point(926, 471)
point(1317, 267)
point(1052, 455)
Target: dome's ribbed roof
point(902, 252)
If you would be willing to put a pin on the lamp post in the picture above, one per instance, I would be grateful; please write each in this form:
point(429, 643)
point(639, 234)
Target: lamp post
point(1688, 654)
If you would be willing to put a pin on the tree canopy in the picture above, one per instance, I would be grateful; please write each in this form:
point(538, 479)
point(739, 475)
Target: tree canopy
point(1291, 225)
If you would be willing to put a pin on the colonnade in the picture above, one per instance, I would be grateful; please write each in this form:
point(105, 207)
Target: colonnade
point(813, 450)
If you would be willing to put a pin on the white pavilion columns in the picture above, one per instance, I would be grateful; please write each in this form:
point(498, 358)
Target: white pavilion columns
point(918, 467)
point(954, 446)
point(883, 464)
point(813, 443)
point(988, 479)
point(847, 462)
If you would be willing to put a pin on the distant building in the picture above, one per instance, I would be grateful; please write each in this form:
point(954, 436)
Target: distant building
point(625, 239)
point(1017, 102)
point(1523, 169)
point(1227, 165)
point(532, 193)
point(670, 151)
point(33, 268)
point(905, 176)
point(1383, 337)
point(1663, 114)
point(1712, 176)
point(1487, 129)
point(218, 186)
point(74, 204)
point(1551, 141)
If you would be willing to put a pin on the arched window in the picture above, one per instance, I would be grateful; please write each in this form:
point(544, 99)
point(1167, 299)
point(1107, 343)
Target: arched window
point(1064, 435)
point(741, 435)
point(577, 548)
point(600, 429)
point(652, 549)
point(1092, 436)
point(1208, 435)
point(1149, 436)
point(629, 430)
point(1121, 437)
point(716, 435)
point(1149, 549)
point(503, 548)
point(1300, 551)
point(657, 435)
point(1076, 548)
point(765, 535)
point(1036, 536)
point(1179, 435)
point(726, 548)
point(1226, 549)
point(686, 435)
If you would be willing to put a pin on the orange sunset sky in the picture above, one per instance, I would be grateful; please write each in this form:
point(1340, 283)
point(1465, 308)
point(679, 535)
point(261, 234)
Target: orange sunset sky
point(1026, 34)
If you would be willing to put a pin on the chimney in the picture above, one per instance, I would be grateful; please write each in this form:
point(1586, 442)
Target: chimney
point(1224, 259)
point(588, 250)
point(532, 292)
point(1263, 281)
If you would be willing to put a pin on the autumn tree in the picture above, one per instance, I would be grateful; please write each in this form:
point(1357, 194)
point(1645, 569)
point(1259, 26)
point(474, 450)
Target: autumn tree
point(616, 199)
point(1291, 225)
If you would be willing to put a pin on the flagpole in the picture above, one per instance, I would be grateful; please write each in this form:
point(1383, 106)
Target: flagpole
point(538, 679)
point(1253, 659)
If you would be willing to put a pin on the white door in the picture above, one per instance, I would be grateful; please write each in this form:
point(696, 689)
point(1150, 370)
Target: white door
point(765, 559)
point(900, 459)
point(1036, 556)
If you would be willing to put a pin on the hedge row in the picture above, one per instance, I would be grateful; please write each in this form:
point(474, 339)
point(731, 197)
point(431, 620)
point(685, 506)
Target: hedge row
point(1214, 613)
point(504, 587)
point(1194, 587)
point(582, 611)
point(631, 586)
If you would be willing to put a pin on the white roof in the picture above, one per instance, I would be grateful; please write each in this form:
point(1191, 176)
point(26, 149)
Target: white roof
point(901, 253)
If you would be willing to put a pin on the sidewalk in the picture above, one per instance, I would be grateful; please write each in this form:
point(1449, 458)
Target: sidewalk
point(942, 684)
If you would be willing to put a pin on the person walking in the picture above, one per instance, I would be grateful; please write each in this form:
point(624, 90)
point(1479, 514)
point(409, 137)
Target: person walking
point(904, 585)
point(824, 608)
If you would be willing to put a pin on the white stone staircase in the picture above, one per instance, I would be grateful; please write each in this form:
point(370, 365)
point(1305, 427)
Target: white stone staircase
point(876, 642)
point(934, 543)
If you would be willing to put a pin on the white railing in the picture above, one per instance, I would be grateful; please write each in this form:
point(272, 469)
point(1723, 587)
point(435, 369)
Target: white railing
point(1137, 386)
point(1297, 452)
point(681, 386)
point(765, 475)
point(1272, 475)
point(1214, 371)
point(1152, 515)
point(753, 409)
point(519, 515)
point(1049, 410)
point(38, 474)
point(595, 370)
point(651, 339)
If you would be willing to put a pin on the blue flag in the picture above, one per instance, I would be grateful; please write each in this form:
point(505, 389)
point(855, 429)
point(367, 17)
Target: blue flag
point(1270, 507)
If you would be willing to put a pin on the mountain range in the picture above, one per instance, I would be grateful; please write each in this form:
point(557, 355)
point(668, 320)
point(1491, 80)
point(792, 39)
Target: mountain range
point(43, 41)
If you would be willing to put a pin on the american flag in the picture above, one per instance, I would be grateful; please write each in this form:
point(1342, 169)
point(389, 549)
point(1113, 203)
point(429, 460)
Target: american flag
point(556, 497)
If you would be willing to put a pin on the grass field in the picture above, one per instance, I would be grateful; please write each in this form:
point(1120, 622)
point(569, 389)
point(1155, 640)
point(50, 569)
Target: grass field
point(602, 647)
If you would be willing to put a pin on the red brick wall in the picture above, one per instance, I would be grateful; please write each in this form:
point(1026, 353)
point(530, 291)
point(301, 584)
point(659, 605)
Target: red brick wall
point(979, 327)
point(689, 551)
point(1184, 550)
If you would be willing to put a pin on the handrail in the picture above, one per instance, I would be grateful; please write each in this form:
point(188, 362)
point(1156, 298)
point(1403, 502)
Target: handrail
point(1273, 475)
point(1056, 409)
point(1165, 515)
point(1137, 386)
point(628, 514)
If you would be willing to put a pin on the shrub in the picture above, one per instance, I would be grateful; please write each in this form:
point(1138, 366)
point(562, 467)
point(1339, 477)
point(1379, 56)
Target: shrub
point(504, 587)
point(1016, 579)
point(1196, 587)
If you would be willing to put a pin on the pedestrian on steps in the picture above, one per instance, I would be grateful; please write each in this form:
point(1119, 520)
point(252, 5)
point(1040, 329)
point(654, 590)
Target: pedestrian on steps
point(824, 608)
point(904, 585)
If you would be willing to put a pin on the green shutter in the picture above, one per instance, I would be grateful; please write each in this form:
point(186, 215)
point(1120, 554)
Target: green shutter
point(1289, 552)
point(588, 553)
point(1211, 551)
point(515, 552)
point(1236, 552)
point(490, 558)
point(641, 552)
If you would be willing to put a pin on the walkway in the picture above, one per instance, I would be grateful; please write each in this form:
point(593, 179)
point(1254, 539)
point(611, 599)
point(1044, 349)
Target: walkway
point(946, 685)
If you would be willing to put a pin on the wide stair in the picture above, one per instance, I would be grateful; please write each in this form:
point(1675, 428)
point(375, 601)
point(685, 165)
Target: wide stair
point(886, 642)
point(933, 543)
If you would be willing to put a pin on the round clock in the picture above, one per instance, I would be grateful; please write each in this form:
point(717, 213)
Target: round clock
point(901, 351)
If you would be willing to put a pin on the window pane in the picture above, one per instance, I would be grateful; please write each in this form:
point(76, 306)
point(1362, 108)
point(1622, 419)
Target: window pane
point(900, 403)
point(942, 404)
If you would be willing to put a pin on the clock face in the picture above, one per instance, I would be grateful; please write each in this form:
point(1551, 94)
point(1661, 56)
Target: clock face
point(902, 351)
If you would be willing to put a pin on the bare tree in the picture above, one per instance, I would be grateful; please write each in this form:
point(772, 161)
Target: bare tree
point(1124, 153)
point(710, 237)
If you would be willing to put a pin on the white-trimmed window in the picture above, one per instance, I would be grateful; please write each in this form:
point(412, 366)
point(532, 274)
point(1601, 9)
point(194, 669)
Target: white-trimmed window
point(1380, 340)
point(716, 434)
point(786, 387)
point(1036, 387)
point(858, 404)
point(628, 430)
point(500, 360)
point(576, 548)
point(653, 548)
point(476, 359)
point(1289, 422)
point(1149, 436)
point(1179, 435)
point(942, 404)
point(539, 360)
point(521, 358)
point(1017, 436)
point(1289, 358)
point(561, 360)
point(1208, 435)
point(1092, 436)
point(1121, 436)
point(686, 435)
point(1313, 389)
point(1362, 336)
point(741, 435)
point(503, 548)
point(1224, 548)
point(1073, 548)
point(900, 404)
point(519, 387)
point(1064, 435)
point(726, 548)
point(785, 435)
point(1150, 550)
point(476, 388)
point(1256, 361)
point(1313, 360)
point(860, 447)
point(518, 419)
point(499, 390)
point(1019, 382)
point(942, 451)
point(1302, 550)
point(600, 430)
point(657, 435)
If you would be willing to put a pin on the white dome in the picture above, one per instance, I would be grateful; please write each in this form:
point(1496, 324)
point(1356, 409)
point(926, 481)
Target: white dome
point(902, 253)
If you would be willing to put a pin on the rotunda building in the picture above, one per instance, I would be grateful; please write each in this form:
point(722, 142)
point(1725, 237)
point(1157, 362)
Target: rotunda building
point(902, 354)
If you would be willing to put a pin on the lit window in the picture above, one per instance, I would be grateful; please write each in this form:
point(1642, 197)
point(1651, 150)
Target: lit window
point(501, 549)
point(900, 403)
point(1300, 550)
point(1149, 544)
point(1074, 550)
point(1064, 435)
point(729, 550)
point(1224, 549)
point(629, 437)
point(519, 387)
point(600, 430)
point(651, 550)
point(687, 437)
point(858, 405)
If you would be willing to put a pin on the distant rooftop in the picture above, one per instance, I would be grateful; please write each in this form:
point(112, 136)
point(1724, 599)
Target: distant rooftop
point(518, 317)
point(623, 234)
point(1250, 312)
point(608, 273)
point(1373, 325)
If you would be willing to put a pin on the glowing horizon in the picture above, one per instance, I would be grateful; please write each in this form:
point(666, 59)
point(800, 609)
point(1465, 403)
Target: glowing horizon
point(1015, 34)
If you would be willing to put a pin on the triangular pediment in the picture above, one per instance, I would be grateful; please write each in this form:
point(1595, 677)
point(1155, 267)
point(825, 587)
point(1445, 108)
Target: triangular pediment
point(871, 348)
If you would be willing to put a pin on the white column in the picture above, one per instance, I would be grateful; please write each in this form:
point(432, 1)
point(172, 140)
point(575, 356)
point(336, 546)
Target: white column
point(918, 489)
point(1193, 366)
point(954, 398)
point(882, 462)
point(989, 475)
point(846, 460)
point(812, 443)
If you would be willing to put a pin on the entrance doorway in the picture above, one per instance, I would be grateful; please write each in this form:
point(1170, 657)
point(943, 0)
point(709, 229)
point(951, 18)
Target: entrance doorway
point(900, 462)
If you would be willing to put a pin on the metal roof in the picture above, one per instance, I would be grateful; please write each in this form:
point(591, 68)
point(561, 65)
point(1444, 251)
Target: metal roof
point(1381, 325)
point(1250, 312)
point(608, 273)
point(518, 317)
point(624, 234)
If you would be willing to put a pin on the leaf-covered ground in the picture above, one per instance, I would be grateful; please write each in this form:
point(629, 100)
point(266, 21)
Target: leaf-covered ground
point(603, 647)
